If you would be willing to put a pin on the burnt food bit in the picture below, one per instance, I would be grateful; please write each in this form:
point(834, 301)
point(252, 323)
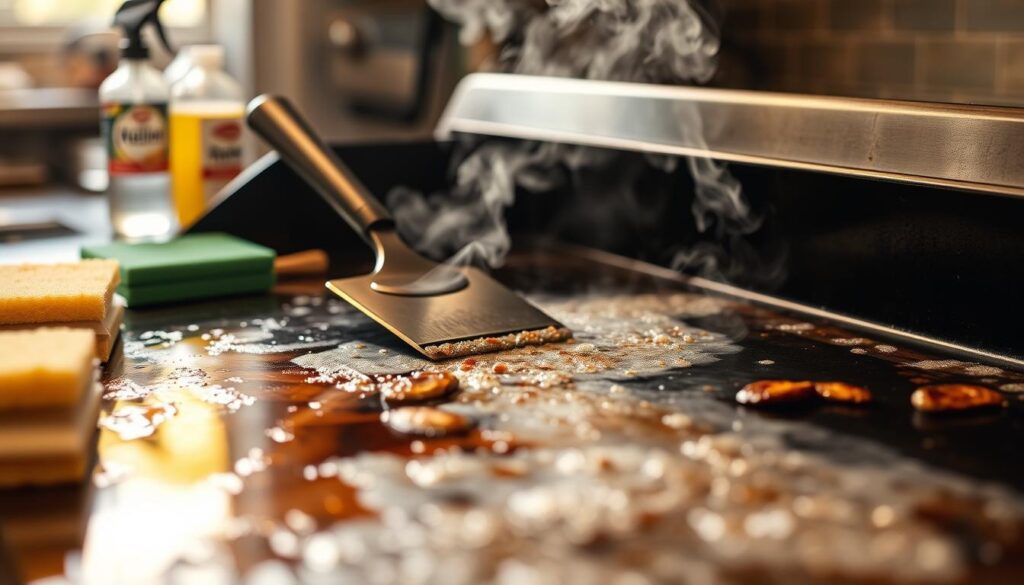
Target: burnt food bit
point(843, 392)
point(955, 397)
point(775, 392)
point(425, 421)
point(418, 387)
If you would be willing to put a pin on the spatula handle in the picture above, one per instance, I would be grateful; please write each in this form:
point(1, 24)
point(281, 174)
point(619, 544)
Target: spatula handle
point(277, 122)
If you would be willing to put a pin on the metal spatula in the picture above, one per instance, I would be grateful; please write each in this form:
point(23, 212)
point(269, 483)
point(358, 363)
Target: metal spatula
point(440, 310)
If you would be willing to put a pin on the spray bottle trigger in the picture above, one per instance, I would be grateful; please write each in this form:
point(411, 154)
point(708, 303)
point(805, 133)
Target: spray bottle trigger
point(162, 34)
point(133, 16)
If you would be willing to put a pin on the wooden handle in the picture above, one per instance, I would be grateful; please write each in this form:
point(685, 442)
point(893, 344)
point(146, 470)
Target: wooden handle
point(307, 263)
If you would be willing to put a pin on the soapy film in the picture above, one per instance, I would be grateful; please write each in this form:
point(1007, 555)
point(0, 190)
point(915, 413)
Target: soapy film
point(614, 337)
point(670, 486)
point(577, 452)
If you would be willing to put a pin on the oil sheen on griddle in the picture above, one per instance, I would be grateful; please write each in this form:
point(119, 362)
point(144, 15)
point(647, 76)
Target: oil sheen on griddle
point(526, 461)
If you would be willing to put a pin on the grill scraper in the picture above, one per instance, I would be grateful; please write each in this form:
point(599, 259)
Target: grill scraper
point(440, 310)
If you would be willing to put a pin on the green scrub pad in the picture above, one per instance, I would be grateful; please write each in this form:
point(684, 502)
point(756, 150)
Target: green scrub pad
point(186, 290)
point(211, 256)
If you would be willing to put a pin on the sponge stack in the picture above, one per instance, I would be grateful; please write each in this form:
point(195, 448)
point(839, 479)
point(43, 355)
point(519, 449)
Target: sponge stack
point(77, 295)
point(49, 401)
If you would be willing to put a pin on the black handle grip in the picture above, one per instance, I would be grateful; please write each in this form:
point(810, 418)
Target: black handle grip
point(277, 122)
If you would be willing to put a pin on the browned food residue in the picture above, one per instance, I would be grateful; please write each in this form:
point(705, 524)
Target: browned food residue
point(843, 392)
point(550, 334)
point(772, 392)
point(425, 421)
point(782, 392)
point(955, 397)
point(417, 387)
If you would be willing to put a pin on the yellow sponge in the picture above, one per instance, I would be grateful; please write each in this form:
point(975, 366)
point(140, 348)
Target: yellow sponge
point(41, 293)
point(106, 331)
point(45, 367)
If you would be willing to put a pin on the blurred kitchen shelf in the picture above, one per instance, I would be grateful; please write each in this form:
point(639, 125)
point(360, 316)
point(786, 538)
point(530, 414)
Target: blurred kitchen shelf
point(50, 223)
point(49, 108)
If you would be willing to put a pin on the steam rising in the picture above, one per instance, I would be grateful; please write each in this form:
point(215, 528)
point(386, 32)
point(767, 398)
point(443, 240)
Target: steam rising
point(467, 224)
point(648, 41)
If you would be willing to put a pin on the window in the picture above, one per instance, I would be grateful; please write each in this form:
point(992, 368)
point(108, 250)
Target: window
point(177, 13)
point(42, 25)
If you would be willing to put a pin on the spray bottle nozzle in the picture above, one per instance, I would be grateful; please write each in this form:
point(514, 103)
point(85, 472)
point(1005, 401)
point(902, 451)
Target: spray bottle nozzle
point(133, 16)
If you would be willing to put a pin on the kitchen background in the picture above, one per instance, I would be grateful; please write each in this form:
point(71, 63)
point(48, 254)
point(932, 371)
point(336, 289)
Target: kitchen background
point(381, 69)
point(951, 50)
point(967, 51)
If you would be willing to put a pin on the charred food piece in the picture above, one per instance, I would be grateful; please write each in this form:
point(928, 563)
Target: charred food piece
point(776, 392)
point(843, 392)
point(418, 387)
point(425, 421)
point(955, 397)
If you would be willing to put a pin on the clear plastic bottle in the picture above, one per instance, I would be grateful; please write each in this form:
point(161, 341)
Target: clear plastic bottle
point(134, 102)
point(179, 66)
point(207, 107)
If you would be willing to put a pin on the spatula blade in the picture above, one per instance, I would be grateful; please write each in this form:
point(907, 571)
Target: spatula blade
point(483, 309)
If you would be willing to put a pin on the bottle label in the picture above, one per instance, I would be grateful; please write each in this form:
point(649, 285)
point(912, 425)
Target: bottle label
point(136, 138)
point(221, 153)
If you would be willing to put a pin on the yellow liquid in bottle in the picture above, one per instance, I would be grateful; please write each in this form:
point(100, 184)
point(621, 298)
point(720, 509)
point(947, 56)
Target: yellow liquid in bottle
point(202, 145)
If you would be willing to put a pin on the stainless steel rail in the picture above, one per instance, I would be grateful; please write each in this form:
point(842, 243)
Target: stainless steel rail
point(966, 147)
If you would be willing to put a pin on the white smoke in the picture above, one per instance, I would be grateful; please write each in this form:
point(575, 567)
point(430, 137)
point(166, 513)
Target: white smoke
point(647, 41)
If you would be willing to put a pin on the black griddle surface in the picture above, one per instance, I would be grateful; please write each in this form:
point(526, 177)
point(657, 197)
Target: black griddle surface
point(981, 444)
point(162, 344)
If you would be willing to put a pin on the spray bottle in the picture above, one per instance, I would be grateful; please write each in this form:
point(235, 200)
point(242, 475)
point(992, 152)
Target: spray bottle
point(179, 66)
point(134, 102)
point(207, 107)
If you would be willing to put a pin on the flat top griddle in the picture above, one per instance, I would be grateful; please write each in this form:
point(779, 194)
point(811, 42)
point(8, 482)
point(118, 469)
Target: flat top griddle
point(215, 395)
